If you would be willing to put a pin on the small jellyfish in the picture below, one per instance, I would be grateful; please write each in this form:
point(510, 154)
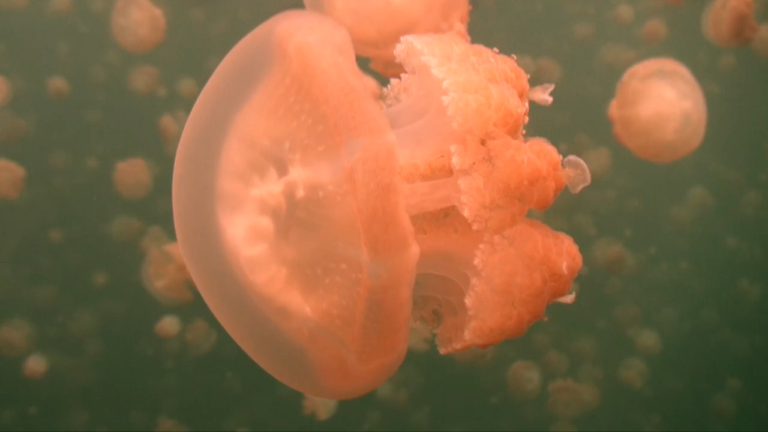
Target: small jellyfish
point(165, 275)
point(17, 337)
point(599, 160)
point(647, 341)
point(144, 80)
point(633, 372)
point(623, 13)
point(187, 88)
point(729, 23)
point(569, 400)
point(659, 112)
point(168, 327)
point(759, 43)
point(125, 229)
point(58, 87)
point(6, 91)
point(35, 366)
point(613, 257)
point(200, 337)
point(132, 178)
point(524, 379)
point(138, 26)
point(13, 178)
point(654, 31)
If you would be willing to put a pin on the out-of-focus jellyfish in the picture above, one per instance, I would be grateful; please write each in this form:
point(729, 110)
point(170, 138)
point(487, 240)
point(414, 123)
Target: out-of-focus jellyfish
point(524, 379)
point(125, 229)
point(633, 372)
point(376, 26)
point(132, 178)
point(760, 41)
point(555, 363)
point(584, 31)
point(58, 87)
point(659, 112)
point(14, 5)
point(6, 91)
point(13, 178)
point(187, 88)
point(569, 400)
point(547, 70)
point(627, 315)
point(729, 23)
point(599, 160)
point(200, 337)
point(654, 31)
point(99, 279)
point(647, 341)
point(17, 337)
point(165, 275)
point(319, 408)
point(613, 257)
point(617, 55)
point(35, 366)
point(13, 128)
point(168, 327)
point(304, 211)
point(138, 26)
point(623, 13)
point(144, 80)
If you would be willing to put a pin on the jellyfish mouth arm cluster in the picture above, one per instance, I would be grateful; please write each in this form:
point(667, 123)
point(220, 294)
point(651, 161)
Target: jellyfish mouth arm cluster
point(567, 299)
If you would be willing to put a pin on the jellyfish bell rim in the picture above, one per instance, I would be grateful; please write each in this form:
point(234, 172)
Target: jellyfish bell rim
point(243, 312)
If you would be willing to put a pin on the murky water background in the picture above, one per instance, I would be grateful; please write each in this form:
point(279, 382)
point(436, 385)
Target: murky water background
point(689, 262)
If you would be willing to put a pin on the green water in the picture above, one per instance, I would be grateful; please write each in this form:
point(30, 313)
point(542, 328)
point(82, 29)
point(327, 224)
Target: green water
point(695, 282)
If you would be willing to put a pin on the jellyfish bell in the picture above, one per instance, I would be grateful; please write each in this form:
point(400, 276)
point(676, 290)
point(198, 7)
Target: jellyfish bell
point(302, 250)
point(659, 112)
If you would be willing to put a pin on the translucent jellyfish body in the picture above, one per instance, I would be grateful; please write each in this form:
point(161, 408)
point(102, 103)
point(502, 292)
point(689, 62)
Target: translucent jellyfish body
point(317, 226)
point(659, 112)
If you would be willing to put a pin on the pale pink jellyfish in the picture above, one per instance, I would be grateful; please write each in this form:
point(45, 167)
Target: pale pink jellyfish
point(729, 23)
point(6, 91)
point(13, 178)
point(305, 211)
point(376, 26)
point(138, 26)
point(132, 178)
point(659, 112)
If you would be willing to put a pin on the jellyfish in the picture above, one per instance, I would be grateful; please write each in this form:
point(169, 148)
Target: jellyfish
point(165, 275)
point(138, 26)
point(6, 91)
point(659, 112)
point(376, 26)
point(729, 23)
point(13, 178)
point(132, 178)
point(524, 379)
point(319, 225)
point(58, 87)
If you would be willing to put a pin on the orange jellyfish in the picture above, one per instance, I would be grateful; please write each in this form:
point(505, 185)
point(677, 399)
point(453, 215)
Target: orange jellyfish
point(13, 178)
point(659, 112)
point(377, 26)
point(304, 211)
point(6, 91)
point(729, 23)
